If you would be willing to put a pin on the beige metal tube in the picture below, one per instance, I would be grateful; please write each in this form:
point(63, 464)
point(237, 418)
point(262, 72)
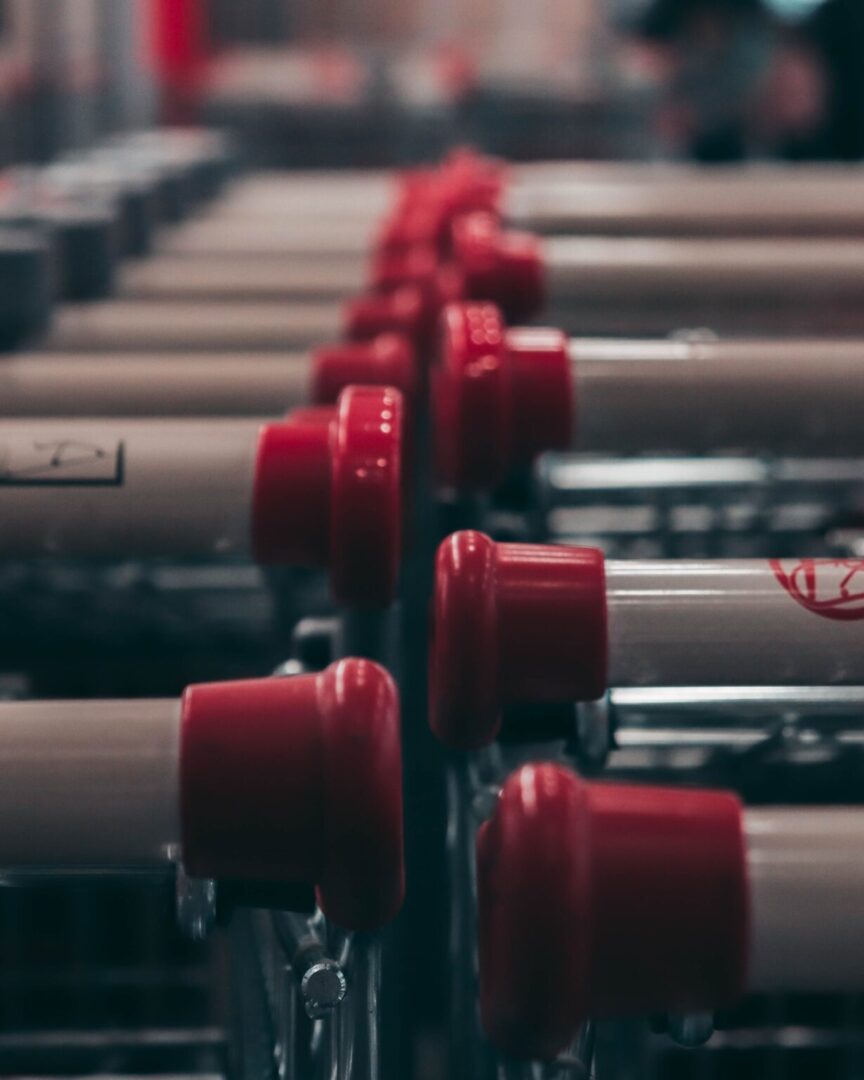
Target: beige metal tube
point(693, 205)
point(806, 879)
point(163, 384)
point(270, 237)
point(735, 622)
point(780, 397)
point(743, 287)
point(89, 783)
point(179, 277)
point(126, 487)
point(152, 326)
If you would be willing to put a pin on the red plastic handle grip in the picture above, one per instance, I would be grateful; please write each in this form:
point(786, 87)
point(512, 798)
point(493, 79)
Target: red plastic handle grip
point(604, 900)
point(412, 310)
point(511, 623)
point(499, 398)
point(298, 780)
point(385, 360)
point(504, 267)
point(328, 492)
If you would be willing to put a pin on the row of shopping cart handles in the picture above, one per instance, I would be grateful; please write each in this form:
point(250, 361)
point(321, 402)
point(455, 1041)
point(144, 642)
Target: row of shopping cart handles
point(286, 781)
point(593, 899)
point(500, 399)
point(219, 487)
point(444, 241)
point(600, 900)
point(447, 239)
point(596, 199)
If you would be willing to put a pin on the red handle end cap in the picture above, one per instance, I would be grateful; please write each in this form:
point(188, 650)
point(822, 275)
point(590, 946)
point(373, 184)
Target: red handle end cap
point(505, 267)
point(291, 499)
point(500, 398)
point(298, 780)
point(402, 311)
point(472, 399)
point(642, 899)
point(363, 883)
point(414, 265)
point(463, 677)
point(513, 623)
point(366, 511)
point(533, 900)
point(386, 360)
point(329, 493)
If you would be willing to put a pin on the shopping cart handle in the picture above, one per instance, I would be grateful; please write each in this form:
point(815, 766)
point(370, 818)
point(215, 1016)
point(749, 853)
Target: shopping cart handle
point(415, 265)
point(401, 311)
point(275, 787)
point(598, 900)
point(542, 623)
point(344, 471)
point(412, 310)
point(505, 267)
point(500, 398)
point(298, 780)
point(385, 360)
point(421, 223)
point(426, 212)
point(512, 622)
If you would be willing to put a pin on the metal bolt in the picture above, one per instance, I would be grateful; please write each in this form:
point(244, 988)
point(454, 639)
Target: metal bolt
point(321, 979)
point(322, 987)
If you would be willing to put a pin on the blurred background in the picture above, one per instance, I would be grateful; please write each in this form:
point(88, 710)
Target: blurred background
point(331, 82)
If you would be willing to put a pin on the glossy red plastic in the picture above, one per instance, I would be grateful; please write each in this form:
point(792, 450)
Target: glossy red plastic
point(512, 623)
point(413, 186)
point(465, 162)
point(390, 269)
point(466, 189)
point(424, 223)
point(367, 496)
point(298, 780)
point(426, 219)
point(500, 398)
point(411, 310)
point(476, 185)
point(605, 900)
point(401, 311)
point(502, 266)
point(328, 493)
point(386, 360)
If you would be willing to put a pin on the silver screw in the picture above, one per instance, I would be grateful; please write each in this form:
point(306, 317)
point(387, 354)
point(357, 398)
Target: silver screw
point(323, 987)
point(321, 979)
